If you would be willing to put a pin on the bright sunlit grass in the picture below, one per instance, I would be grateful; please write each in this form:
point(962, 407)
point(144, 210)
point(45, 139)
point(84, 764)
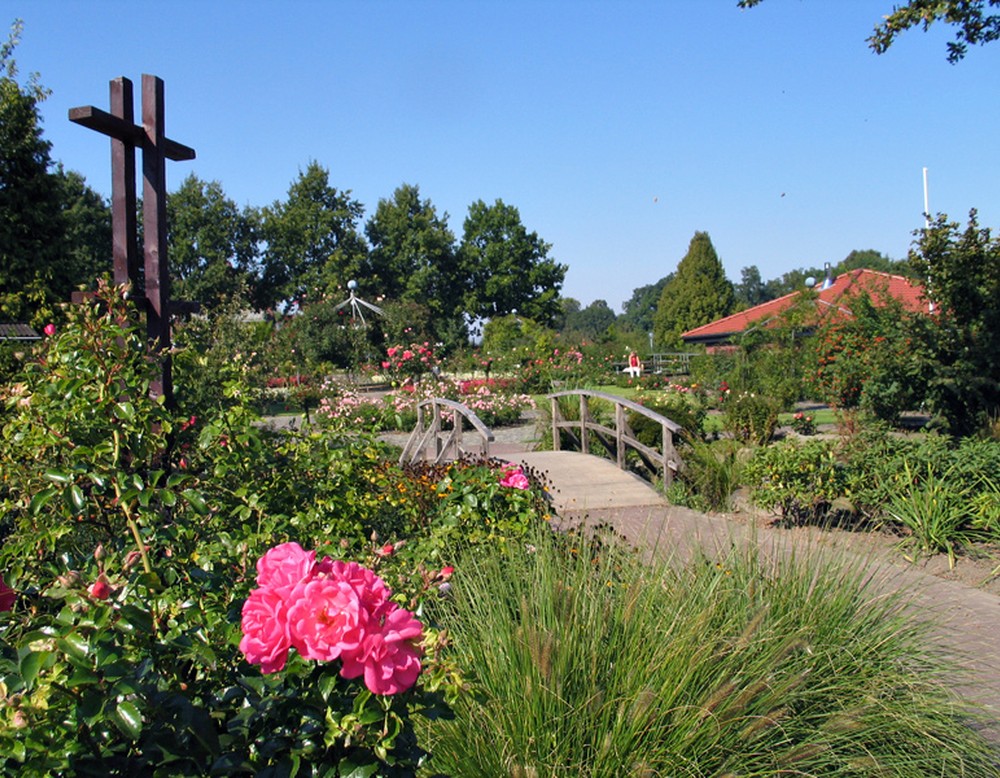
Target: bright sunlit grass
point(595, 664)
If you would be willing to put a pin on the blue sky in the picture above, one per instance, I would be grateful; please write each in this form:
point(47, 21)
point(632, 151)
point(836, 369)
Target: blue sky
point(618, 129)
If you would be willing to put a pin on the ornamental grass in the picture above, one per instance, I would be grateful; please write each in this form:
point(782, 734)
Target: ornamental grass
point(585, 661)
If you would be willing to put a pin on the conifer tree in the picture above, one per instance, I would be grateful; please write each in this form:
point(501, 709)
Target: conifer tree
point(698, 293)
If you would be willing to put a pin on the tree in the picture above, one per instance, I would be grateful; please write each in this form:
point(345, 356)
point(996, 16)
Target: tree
point(30, 224)
point(974, 26)
point(751, 290)
point(507, 268)
point(311, 240)
point(413, 259)
point(86, 241)
point(962, 273)
point(592, 322)
point(212, 243)
point(698, 293)
point(638, 311)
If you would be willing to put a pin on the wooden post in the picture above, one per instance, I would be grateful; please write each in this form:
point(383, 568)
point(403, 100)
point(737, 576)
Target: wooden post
point(556, 418)
point(584, 438)
point(620, 435)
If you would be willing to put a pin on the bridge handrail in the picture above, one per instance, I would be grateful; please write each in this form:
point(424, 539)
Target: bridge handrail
point(445, 441)
point(667, 458)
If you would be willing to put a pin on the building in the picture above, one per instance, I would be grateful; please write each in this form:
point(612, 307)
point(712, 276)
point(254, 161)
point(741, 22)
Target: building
point(832, 297)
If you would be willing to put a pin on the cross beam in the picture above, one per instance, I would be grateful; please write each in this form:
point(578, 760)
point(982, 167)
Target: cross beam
point(156, 148)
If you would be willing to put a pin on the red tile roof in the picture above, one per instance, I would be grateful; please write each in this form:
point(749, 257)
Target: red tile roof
point(836, 296)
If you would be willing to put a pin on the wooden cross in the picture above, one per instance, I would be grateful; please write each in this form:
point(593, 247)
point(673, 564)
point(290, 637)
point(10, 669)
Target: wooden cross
point(156, 150)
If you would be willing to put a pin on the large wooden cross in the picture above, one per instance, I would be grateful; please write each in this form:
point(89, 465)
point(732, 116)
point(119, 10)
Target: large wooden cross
point(156, 150)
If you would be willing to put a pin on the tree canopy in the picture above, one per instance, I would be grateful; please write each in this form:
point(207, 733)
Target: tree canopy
point(961, 269)
point(212, 243)
point(311, 239)
point(54, 230)
point(974, 26)
point(507, 269)
point(412, 257)
point(698, 293)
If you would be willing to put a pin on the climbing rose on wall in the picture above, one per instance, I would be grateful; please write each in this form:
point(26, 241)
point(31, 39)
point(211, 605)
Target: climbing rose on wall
point(329, 610)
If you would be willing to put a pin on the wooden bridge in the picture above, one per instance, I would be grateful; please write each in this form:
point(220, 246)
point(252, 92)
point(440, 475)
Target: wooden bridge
point(578, 480)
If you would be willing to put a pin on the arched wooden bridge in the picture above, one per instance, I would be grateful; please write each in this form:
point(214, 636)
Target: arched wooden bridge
point(578, 480)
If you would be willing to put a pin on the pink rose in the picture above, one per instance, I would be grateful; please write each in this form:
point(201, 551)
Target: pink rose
point(265, 639)
point(386, 550)
point(325, 619)
point(49, 330)
point(284, 566)
point(388, 657)
point(515, 479)
point(370, 589)
point(7, 596)
point(407, 354)
point(391, 351)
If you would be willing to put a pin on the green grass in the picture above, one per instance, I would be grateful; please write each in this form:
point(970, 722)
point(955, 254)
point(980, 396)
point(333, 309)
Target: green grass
point(599, 665)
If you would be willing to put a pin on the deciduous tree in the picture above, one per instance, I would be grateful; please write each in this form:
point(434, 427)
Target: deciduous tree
point(506, 267)
point(212, 243)
point(961, 269)
point(30, 223)
point(413, 258)
point(311, 239)
point(973, 24)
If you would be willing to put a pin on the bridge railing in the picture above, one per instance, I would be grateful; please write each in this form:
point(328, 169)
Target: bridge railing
point(618, 439)
point(439, 433)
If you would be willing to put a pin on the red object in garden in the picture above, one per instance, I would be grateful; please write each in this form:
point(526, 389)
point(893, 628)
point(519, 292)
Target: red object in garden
point(7, 596)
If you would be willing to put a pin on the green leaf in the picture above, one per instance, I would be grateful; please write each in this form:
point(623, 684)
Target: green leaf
point(128, 719)
point(29, 666)
point(125, 411)
point(75, 499)
point(196, 500)
point(74, 645)
point(58, 476)
point(40, 500)
point(348, 768)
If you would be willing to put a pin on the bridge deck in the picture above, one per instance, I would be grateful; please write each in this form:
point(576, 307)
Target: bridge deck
point(581, 482)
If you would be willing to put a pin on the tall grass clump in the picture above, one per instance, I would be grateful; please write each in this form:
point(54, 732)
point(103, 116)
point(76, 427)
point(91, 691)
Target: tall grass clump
point(585, 661)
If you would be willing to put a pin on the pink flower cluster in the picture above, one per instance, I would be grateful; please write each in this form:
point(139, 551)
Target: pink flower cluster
point(514, 478)
point(329, 610)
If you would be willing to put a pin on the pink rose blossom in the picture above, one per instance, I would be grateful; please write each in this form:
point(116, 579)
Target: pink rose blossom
point(265, 639)
point(330, 610)
point(7, 596)
point(386, 550)
point(325, 619)
point(50, 330)
point(388, 657)
point(515, 479)
point(284, 566)
point(391, 351)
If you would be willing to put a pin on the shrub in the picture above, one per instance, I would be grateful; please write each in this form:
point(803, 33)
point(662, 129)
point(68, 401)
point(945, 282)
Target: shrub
point(750, 418)
point(126, 563)
point(801, 481)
